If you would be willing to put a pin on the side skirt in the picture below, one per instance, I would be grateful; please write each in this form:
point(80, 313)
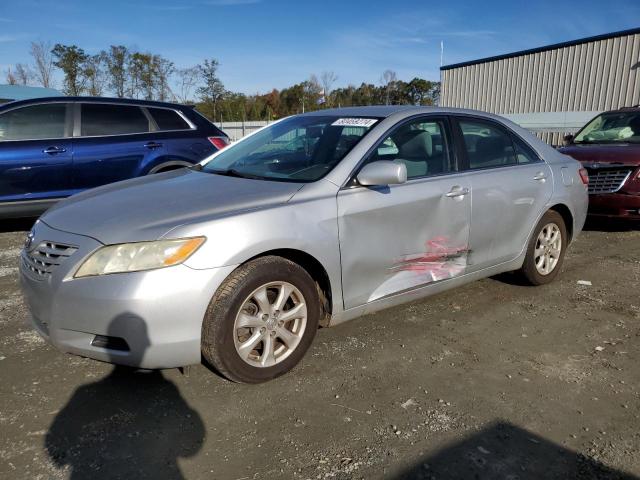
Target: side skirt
point(424, 291)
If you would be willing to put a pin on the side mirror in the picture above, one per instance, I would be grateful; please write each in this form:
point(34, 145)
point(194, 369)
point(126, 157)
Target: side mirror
point(568, 139)
point(383, 172)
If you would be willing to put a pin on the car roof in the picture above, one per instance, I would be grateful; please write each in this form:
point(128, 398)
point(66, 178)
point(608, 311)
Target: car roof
point(635, 108)
point(385, 111)
point(127, 101)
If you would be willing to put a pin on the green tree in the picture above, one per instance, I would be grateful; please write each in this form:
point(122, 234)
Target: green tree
point(212, 89)
point(71, 59)
point(95, 74)
point(420, 91)
point(142, 74)
point(117, 59)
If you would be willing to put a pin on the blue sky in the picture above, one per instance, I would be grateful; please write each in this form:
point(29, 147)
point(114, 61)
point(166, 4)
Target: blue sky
point(263, 44)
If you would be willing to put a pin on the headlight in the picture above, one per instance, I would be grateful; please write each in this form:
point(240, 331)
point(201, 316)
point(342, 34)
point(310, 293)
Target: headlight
point(133, 257)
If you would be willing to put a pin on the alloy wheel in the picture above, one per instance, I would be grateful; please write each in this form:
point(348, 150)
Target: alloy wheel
point(548, 248)
point(270, 324)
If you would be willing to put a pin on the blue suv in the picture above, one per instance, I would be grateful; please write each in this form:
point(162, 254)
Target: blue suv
point(51, 148)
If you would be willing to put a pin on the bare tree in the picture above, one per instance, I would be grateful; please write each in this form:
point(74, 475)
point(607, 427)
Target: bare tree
point(311, 93)
point(328, 79)
point(188, 79)
point(41, 53)
point(388, 80)
point(23, 74)
point(10, 77)
point(164, 69)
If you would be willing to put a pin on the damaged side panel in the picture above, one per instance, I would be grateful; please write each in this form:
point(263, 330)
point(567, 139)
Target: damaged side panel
point(401, 237)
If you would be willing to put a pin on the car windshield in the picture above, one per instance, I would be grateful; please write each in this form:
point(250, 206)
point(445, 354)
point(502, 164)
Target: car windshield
point(297, 149)
point(614, 127)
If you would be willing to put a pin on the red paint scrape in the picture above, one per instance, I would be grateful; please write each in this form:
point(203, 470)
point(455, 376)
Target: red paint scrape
point(440, 259)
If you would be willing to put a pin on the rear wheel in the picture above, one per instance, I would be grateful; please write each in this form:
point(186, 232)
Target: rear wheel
point(545, 252)
point(261, 321)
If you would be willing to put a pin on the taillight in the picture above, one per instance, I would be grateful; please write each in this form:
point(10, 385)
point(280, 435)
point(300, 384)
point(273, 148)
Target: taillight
point(219, 142)
point(584, 176)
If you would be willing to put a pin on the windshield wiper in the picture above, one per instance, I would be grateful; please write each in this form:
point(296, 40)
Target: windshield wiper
point(231, 172)
point(603, 142)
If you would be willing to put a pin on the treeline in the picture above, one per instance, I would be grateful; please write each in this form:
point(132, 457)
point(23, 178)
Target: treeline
point(123, 72)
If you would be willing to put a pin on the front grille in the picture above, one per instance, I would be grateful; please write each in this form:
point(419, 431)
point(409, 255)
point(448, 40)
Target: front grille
point(607, 180)
point(43, 259)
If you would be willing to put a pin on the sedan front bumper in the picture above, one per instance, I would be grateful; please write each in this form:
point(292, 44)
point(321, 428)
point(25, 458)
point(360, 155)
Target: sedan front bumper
point(620, 205)
point(150, 319)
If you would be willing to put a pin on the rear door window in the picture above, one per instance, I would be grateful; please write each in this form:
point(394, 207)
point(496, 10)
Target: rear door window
point(524, 153)
point(487, 145)
point(34, 122)
point(168, 119)
point(102, 119)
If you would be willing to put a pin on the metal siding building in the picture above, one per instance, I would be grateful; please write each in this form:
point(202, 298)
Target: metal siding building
point(588, 75)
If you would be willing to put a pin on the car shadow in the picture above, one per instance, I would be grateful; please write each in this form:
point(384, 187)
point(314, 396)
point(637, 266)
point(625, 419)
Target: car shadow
point(597, 224)
point(505, 451)
point(16, 224)
point(129, 424)
point(511, 278)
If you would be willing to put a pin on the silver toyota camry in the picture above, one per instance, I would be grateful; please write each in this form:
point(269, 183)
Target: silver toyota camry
point(314, 220)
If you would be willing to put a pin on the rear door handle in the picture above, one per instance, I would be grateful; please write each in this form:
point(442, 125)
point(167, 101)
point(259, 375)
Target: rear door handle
point(540, 176)
point(152, 145)
point(457, 192)
point(54, 150)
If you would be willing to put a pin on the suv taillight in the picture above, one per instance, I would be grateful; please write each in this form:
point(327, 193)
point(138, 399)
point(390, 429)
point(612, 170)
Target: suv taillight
point(219, 142)
point(584, 176)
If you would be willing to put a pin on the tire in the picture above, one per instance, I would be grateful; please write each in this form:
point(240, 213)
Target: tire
point(256, 288)
point(535, 265)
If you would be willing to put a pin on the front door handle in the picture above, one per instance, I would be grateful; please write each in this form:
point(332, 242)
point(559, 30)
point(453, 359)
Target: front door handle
point(457, 192)
point(54, 150)
point(152, 145)
point(540, 176)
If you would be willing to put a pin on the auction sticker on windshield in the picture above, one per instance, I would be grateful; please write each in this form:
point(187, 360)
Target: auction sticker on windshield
point(354, 122)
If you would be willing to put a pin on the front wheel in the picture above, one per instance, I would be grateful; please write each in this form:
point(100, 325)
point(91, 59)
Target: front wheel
point(261, 321)
point(545, 252)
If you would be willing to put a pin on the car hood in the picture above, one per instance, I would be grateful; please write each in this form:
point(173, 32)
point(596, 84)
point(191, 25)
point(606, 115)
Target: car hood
point(625, 154)
point(149, 207)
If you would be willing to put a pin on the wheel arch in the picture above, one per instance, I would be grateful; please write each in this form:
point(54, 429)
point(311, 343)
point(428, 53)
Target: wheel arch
point(169, 165)
point(317, 272)
point(567, 216)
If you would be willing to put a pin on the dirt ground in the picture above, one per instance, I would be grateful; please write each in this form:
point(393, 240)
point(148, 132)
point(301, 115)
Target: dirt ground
point(492, 380)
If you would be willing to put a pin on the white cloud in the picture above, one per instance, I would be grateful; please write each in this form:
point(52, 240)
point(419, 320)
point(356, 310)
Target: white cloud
point(6, 38)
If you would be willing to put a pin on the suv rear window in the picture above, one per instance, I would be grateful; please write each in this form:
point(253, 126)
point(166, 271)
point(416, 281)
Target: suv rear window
point(101, 119)
point(167, 119)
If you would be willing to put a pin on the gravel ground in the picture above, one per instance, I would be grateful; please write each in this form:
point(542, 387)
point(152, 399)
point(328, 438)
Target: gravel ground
point(492, 380)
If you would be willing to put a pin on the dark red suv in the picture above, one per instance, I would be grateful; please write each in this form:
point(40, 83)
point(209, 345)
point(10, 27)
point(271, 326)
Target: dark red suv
point(609, 148)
